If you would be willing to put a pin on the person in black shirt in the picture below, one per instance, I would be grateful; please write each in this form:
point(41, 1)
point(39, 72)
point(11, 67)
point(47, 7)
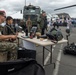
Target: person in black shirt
point(9, 28)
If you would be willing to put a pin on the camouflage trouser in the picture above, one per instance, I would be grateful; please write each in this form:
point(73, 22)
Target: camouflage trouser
point(10, 48)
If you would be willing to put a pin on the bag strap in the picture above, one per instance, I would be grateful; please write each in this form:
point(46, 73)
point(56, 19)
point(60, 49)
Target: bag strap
point(53, 29)
point(11, 29)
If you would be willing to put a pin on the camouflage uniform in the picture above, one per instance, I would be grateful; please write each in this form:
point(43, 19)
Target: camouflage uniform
point(29, 25)
point(1, 28)
point(43, 24)
point(10, 48)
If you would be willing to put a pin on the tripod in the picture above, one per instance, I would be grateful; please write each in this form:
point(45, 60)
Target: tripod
point(67, 38)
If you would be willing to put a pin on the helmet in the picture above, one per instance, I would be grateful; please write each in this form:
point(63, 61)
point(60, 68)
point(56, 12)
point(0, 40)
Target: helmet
point(68, 31)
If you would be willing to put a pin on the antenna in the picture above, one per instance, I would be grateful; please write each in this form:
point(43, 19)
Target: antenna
point(25, 2)
point(65, 7)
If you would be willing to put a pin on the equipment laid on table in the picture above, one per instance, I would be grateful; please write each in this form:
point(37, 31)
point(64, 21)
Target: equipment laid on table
point(21, 67)
point(25, 53)
point(54, 34)
point(70, 48)
point(33, 32)
point(43, 36)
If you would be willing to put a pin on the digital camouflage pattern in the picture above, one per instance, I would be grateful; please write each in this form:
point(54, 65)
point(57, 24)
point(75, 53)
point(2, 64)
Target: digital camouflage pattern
point(1, 28)
point(10, 48)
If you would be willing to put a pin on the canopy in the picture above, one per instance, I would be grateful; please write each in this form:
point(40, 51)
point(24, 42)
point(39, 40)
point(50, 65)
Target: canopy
point(17, 15)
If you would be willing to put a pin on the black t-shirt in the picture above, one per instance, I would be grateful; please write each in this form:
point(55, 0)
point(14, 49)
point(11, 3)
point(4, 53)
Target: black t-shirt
point(8, 30)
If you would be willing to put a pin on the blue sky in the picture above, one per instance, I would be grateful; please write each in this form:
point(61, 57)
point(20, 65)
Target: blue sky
point(13, 6)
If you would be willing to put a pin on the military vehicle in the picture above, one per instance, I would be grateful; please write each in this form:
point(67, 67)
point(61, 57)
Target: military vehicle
point(33, 12)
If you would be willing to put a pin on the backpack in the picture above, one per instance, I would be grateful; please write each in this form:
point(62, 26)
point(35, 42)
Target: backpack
point(54, 34)
point(21, 67)
point(70, 49)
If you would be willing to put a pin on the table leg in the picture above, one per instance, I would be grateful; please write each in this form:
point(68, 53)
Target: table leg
point(43, 54)
point(51, 54)
point(51, 57)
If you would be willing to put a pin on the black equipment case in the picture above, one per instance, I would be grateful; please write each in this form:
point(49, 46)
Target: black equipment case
point(70, 49)
point(25, 53)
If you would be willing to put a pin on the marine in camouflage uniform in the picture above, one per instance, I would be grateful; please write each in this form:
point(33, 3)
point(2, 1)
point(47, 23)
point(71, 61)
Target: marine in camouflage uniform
point(29, 24)
point(43, 23)
point(10, 48)
point(7, 47)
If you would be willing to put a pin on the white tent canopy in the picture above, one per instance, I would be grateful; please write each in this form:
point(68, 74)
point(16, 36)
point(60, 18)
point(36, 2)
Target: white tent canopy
point(17, 15)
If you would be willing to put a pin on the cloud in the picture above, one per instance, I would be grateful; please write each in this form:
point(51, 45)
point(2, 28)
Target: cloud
point(12, 6)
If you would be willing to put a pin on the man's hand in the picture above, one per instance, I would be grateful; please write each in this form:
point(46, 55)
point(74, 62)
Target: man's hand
point(13, 37)
point(16, 33)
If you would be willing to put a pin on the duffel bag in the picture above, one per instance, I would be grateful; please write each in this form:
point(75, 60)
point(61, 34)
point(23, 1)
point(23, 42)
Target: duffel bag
point(21, 67)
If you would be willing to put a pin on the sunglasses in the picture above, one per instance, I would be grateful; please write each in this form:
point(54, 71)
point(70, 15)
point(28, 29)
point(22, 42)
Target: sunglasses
point(4, 16)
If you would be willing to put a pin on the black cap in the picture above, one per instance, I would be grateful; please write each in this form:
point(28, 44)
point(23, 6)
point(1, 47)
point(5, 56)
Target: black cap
point(8, 18)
